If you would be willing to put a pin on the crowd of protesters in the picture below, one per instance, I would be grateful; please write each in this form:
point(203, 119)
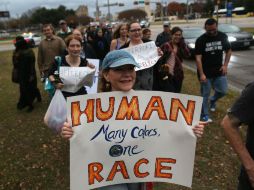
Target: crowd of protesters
point(166, 75)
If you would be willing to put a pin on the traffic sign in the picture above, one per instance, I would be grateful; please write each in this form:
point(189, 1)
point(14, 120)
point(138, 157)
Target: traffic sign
point(5, 14)
point(229, 9)
point(110, 4)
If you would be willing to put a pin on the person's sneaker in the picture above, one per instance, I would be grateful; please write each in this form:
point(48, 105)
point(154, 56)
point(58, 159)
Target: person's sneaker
point(212, 106)
point(206, 119)
point(21, 106)
point(39, 98)
point(30, 109)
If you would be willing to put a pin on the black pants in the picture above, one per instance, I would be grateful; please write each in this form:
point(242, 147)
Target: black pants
point(168, 85)
point(28, 92)
point(244, 183)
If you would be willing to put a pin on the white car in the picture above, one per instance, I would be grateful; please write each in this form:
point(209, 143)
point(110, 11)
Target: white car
point(4, 34)
point(32, 39)
point(144, 24)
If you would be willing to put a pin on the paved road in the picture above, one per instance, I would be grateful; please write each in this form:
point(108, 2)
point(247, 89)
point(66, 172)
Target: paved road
point(240, 70)
point(241, 22)
point(241, 67)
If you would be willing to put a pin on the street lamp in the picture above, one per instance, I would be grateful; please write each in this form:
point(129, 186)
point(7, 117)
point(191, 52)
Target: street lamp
point(187, 11)
point(109, 18)
point(164, 6)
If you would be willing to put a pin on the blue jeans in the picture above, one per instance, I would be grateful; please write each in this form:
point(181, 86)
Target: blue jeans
point(220, 86)
point(124, 186)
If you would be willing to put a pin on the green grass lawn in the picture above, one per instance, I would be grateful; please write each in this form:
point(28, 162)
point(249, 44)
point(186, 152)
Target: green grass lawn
point(251, 30)
point(33, 157)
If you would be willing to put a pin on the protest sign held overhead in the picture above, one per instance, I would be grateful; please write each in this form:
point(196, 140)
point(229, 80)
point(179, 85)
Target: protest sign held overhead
point(146, 54)
point(132, 137)
point(94, 88)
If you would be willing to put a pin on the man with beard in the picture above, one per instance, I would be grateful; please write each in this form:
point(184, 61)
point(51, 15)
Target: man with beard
point(212, 70)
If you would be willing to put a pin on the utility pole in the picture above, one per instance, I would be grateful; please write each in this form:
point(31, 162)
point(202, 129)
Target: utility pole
point(226, 7)
point(108, 5)
point(112, 4)
point(161, 9)
point(97, 11)
point(217, 9)
point(187, 11)
point(109, 17)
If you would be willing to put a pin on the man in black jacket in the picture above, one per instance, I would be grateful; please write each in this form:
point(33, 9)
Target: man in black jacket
point(164, 36)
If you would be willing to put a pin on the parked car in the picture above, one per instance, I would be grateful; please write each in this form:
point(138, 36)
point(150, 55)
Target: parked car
point(161, 19)
point(190, 35)
point(237, 37)
point(189, 16)
point(4, 34)
point(144, 24)
point(32, 39)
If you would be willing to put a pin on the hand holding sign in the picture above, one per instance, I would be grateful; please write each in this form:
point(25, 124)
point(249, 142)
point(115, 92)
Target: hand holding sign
point(74, 78)
point(67, 131)
point(132, 137)
point(146, 54)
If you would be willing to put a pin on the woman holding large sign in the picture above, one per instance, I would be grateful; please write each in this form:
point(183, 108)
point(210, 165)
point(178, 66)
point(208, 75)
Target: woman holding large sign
point(119, 75)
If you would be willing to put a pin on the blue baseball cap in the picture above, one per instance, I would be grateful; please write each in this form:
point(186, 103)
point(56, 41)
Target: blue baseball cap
point(118, 58)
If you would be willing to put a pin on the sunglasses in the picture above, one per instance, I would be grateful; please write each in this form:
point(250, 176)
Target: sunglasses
point(135, 30)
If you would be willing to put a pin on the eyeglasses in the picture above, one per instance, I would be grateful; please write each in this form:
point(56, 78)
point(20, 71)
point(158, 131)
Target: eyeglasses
point(136, 30)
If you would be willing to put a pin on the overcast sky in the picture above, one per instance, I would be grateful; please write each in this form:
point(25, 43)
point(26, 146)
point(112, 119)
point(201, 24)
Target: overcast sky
point(17, 7)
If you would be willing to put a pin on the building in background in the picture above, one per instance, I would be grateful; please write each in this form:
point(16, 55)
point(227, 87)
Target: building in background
point(82, 10)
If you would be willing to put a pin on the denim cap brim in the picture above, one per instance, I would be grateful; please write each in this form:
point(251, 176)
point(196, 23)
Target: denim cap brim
point(118, 58)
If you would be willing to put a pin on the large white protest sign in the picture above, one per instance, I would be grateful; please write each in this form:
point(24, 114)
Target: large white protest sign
point(145, 54)
point(94, 87)
point(139, 136)
point(74, 78)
